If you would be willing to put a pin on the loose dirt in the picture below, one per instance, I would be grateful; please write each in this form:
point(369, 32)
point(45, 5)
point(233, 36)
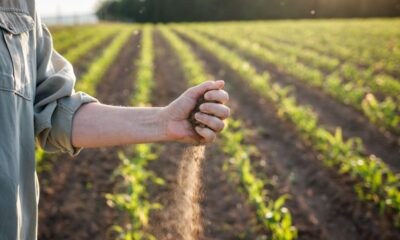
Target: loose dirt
point(72, 204)
point(184, 211)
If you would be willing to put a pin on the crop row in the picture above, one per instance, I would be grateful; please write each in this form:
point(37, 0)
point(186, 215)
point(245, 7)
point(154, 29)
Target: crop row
point(133, 196)
point(271, 213)
point(381, 113)
point(377, 83)
point(371, 45)
point(375, 182)
point(99, 67)
point(145, 70)
point(74, 54)
point(65, 34)
point(63, 46)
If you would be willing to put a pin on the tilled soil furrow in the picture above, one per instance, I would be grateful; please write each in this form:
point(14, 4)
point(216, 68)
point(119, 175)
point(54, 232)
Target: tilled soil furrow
point(333, 114)
point(324, 196)
point(72, 204)
point(224, 217)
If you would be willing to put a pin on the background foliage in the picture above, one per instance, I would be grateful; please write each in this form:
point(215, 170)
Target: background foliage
point(220, 10)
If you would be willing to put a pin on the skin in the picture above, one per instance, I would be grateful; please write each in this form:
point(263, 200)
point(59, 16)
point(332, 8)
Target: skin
point(99, 125)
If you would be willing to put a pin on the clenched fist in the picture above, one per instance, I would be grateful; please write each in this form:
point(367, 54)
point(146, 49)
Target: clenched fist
point(211, 114)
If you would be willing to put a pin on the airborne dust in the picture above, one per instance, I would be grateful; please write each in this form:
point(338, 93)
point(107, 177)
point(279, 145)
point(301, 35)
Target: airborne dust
point(182, 217)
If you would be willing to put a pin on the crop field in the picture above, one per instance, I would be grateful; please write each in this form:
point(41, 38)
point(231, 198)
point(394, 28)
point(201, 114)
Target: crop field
point(312, 150)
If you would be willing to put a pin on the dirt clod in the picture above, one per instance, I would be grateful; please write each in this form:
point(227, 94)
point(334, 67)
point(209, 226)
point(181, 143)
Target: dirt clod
point(192, 119)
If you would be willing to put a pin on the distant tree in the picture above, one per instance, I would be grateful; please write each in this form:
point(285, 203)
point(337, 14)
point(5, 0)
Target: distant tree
point(220, 10)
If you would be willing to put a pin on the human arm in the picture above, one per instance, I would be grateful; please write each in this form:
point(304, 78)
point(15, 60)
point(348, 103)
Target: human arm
point(98, 125)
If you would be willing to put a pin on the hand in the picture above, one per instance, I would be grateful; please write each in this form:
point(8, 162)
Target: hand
point(176, 114)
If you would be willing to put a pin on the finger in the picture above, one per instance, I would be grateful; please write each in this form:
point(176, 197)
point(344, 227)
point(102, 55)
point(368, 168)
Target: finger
point(220, 96)
point(220, 84)
point(199, 90)
point(216, 109)
point(212, 122)
point(208, 135)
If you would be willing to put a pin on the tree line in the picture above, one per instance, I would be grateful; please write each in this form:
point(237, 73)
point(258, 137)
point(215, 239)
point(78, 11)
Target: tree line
point(224, 10)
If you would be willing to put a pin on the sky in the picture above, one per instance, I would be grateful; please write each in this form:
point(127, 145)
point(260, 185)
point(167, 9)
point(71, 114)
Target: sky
point(49, 8)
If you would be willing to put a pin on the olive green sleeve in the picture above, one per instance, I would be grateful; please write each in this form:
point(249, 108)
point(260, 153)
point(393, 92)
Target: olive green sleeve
point(56, 102)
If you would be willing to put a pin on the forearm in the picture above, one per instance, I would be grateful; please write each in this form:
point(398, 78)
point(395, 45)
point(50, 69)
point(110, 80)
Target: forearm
point(98, 125)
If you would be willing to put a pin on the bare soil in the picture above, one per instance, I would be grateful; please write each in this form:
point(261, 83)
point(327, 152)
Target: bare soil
point(72, 204)
point(324, 204)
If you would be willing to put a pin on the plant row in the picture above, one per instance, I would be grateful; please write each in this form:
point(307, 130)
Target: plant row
point(271, 213)
point(145, 69)
point(65, 34)
point(65, 45)
point(379, 112)
point(74, 54)
point(376, 83)
point(132, 196)
point(98, 68)
point(374, 181)
point(370, 44)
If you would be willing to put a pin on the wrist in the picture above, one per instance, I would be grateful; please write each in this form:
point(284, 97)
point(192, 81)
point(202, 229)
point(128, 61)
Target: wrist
point(164, 122)
point(145, 125)
point(168, 125)
point(160, 124)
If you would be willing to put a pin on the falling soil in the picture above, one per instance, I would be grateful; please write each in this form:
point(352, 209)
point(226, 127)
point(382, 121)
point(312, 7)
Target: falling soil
point(184, 212)
point(187, 223)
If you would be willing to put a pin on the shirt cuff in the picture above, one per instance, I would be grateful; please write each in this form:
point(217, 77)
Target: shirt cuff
point(60, 136)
